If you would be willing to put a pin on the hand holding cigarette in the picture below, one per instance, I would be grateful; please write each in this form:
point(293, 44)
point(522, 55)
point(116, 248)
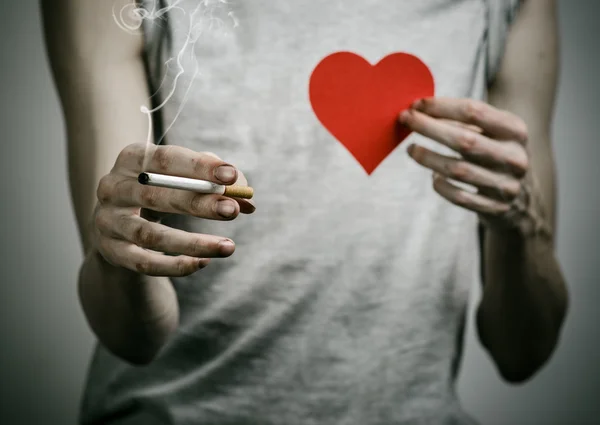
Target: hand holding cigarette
point(175, 180)
point(198, 186)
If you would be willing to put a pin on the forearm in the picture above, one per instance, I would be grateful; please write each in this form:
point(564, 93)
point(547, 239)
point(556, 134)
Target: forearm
point(131, 314)
point(524, 294)
point(524, 302)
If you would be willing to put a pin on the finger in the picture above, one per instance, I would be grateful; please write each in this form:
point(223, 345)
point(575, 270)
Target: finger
point(121, 224)
point(501, 186)
point(175, 161)
point(465, 199)
point(495, 122)
point(125, 254)
point(121, 191)
point(510, 156)
point(462, 125)
point(247, 206)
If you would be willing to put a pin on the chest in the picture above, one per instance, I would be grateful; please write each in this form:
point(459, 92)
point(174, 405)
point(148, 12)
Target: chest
point(298, 27)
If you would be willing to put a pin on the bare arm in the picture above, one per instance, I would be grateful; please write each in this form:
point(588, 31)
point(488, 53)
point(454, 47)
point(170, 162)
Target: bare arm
point(99, 73)
point(506, 154)
point(100, 77)
point(524, 296)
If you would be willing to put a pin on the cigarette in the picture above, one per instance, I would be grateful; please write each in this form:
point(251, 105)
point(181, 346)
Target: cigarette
point(194, 185)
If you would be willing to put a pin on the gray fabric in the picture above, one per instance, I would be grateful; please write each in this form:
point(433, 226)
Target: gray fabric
point(346, 298)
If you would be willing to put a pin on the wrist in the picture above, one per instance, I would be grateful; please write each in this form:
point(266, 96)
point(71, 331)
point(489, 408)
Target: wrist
point(97, 269)
point(520, 241)
point(527, 218)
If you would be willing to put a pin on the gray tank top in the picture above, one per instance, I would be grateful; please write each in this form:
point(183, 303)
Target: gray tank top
point(345, 300)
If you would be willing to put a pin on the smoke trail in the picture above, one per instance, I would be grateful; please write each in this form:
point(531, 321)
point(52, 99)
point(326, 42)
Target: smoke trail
point(204, 17)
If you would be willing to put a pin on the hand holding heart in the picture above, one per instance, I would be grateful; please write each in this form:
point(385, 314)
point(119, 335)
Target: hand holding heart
point(494, 158)
point(359, 103)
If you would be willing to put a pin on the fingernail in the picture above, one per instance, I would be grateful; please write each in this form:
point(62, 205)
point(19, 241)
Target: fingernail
point(226, 173)
point(203, 262)
point(226, 247)
point(225, 208)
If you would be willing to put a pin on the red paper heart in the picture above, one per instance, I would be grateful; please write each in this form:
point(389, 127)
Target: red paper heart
point(359, 103)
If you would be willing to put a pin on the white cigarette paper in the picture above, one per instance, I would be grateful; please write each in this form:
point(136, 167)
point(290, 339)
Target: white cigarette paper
point(194, 185)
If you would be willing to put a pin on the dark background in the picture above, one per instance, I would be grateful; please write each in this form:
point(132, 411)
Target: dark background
point(45, 344)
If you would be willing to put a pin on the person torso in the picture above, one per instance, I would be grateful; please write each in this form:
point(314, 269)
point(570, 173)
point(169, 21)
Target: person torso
point(346, 297)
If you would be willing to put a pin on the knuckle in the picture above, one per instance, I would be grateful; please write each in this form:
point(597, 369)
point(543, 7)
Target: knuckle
point(149, 196)
point(182, 266)
point(105, 189)
point(459, 170)
point(466, 141)
point(133, 151)
point(474, 110)
point(122, 222)
point(145, 236)
point(145, 266)
point(199, 165)
point(197, 246)
point(163, 157)
point(197, 203)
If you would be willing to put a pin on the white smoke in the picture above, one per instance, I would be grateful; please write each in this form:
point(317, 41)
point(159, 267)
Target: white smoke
point(206, 16)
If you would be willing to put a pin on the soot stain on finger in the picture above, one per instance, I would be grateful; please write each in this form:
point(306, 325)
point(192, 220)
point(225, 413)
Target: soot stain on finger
point(163, 157)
